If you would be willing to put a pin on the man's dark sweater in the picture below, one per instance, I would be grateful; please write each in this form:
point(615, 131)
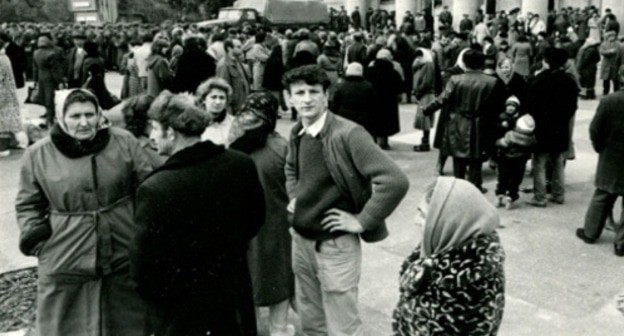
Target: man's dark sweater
point(316, 191)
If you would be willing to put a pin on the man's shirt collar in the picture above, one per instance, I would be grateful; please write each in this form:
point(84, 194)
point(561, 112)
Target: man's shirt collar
point(316, 127)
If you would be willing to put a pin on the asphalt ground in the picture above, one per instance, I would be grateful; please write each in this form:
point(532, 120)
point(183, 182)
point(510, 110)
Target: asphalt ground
point(555, 283)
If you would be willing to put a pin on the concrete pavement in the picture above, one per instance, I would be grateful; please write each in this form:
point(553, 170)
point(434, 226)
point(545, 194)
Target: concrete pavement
point(556, 284)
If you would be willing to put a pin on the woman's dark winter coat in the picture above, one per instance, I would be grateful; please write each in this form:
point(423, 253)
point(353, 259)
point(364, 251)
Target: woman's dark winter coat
point(194, 67)
point(269, 252)
point(93, 72)
point(355, 100)
point(17, 55)
point(274, 70)
point(158, 74)
point(605, 132)
point(197, 214)
point(445, 116)
point(388, 85)
point(587, 65)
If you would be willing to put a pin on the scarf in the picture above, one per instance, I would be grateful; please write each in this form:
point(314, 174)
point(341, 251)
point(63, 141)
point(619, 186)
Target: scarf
point(256, 121)
point(73, 148)
point(70, 146)
point(457, 213)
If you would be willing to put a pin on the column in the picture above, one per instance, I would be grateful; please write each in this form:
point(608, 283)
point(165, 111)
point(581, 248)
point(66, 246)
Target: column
point(461, 7)
point(402, 6)
point(363, 4)
point(535, 6)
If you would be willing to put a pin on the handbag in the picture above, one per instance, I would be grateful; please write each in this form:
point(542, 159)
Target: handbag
point(33, 95)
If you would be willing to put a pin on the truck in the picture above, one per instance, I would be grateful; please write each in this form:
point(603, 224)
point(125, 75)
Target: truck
point(273, 13)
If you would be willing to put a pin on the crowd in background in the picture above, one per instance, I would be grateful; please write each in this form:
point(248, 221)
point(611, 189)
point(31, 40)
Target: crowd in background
point(493, 81)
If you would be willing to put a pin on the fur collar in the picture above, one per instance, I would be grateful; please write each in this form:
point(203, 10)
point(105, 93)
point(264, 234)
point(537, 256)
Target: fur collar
point(73, 148)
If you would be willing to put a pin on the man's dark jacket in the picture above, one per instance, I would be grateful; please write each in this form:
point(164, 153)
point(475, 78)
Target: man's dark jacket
point(197, 214)
point(606, 132)
point(552, 101)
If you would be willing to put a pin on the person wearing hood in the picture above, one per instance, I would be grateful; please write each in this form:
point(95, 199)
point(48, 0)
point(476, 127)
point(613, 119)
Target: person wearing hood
point(158, 72)
point(253, 133)
point(195, 216)
point(587, 65)
point(383, 74)
point(354, 97)
point(257, 57)
point(75, 208)
point(458, 238)
point(48, 72)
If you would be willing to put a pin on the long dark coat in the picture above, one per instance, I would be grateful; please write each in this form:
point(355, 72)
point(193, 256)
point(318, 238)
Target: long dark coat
point(48, 71)
point(445, 115)
point(17, 55)
point(269, 252)
point(93, 79)
point(194, 67)
point(605, 132)
point(552, 116)
point(197, 214)
point(611, 59)
point(274, 70)
point(388, 85)
point(355, 100)
point(587, 66)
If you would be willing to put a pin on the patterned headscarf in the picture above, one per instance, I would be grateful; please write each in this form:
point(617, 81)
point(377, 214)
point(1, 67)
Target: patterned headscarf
point(258, 112)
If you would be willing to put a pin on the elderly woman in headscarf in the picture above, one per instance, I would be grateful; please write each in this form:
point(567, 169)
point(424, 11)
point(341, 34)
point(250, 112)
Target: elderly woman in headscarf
point(587, 66)
point(384, 75)
point(75, 212)
point(454, 281)
point(253, 133)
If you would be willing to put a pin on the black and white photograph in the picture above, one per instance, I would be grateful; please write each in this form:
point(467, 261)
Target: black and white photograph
point(311, 168)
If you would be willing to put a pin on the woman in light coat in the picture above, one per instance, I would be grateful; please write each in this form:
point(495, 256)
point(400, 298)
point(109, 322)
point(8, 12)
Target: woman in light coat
point(10, 121)
point(75, 212)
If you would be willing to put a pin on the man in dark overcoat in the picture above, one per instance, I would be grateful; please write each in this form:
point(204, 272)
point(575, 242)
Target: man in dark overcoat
point(605, 132)
point(196, 215)
point(552, 124)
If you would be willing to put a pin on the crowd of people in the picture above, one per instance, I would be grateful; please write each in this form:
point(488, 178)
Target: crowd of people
point(199, 210)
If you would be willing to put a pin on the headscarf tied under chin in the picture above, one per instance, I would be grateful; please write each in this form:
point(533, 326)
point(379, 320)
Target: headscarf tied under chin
point(457, 213)
point(64, 142)
point(60, 108)
point(252, 126)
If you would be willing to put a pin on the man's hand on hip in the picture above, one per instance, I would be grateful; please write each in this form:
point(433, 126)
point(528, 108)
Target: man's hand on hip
point(338, 220)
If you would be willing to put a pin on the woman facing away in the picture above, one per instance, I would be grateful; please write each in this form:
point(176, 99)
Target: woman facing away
point(454, 282)
point(253, 133)
point(75, 212)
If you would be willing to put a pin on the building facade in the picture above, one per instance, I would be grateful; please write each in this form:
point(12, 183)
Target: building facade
point(460, 7)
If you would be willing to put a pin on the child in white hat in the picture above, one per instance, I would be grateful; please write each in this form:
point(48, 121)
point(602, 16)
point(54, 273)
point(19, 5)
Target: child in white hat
point(515, 141)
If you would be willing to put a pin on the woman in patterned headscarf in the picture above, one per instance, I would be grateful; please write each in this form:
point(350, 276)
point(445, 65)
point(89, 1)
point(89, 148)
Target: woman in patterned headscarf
point(253, 132)
point(454, 282)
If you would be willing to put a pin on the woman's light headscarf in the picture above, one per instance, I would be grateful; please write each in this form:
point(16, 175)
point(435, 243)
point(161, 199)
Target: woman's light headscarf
point(60, 109)
point(457, 213)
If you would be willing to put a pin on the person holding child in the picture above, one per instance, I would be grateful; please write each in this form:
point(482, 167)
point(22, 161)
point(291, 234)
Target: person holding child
point(514, 146)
